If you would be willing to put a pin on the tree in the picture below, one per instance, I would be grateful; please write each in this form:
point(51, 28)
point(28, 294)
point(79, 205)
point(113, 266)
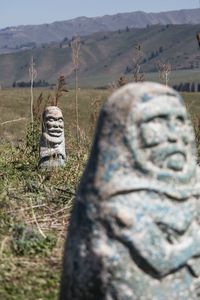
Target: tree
point(192, 88)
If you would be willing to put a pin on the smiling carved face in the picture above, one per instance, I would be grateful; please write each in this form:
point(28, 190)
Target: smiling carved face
point(53, 121)
point(165, 138)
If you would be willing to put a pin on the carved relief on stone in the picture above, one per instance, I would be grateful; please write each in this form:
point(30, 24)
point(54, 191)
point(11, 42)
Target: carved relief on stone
point(134, 232)
point(52, 141)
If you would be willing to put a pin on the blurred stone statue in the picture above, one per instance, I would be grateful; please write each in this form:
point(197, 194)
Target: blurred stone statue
point(52, 141)
point(134, 232)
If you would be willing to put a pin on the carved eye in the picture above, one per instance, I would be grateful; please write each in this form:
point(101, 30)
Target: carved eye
point(180, 120)
point(153, 132)
point(50, 119)
point(158, 119)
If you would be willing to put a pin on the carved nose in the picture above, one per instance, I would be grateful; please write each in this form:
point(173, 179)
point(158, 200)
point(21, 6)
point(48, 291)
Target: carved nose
point(172, 134)
point(172, 138)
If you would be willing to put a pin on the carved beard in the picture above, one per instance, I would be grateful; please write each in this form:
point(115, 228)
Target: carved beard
point(52, 140)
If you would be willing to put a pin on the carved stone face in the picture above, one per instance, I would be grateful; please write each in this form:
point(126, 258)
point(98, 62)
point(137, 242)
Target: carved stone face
point(53, 122)
point(134, 231)
point(52, 141)
point(166, 139)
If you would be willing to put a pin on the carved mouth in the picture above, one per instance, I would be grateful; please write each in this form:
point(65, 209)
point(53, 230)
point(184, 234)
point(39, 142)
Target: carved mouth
point(55, 132)
point(175, 160)
point(171, 157)
point(175, 152)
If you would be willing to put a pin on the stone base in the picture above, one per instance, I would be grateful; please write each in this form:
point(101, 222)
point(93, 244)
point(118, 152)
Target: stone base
point(48, 163)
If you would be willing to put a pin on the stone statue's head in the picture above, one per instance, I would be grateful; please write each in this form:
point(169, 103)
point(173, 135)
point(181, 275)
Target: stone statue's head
point(160, 134)
point(53, 124)
point(52, 140)
point(144, 139)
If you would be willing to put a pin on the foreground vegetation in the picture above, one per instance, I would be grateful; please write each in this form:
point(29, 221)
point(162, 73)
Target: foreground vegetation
point(35, 206)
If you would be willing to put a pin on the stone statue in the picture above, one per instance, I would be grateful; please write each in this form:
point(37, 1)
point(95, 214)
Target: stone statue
point(52, 141)
point(134, 232)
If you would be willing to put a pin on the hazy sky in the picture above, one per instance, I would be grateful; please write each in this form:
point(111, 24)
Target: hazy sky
point(23, 12)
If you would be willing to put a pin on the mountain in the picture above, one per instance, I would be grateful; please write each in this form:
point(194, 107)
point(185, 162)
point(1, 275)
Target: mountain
point(30, 36)
point(104, 56)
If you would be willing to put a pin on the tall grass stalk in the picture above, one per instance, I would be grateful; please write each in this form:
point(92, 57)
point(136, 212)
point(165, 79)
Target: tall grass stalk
point(138, 55)
point(75, 45)
point(33, 75)
point(164, 70)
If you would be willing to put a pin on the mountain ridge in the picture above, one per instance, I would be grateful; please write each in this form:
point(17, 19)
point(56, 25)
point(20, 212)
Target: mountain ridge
point(104, 56)
point(15, 38)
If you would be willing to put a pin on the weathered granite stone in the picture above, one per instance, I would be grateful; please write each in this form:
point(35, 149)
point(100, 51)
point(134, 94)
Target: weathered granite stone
point(52, 141)
point(134, 232)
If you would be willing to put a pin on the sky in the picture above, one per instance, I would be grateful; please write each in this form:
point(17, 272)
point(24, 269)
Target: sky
point(24, 12)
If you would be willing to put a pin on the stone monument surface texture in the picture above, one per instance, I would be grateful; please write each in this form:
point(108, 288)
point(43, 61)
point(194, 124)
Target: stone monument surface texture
point(134, 232)
point(52, 141)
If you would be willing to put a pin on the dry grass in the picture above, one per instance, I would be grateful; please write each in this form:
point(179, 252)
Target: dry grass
point(35, 206)
point(15, 105)
point(35, 209)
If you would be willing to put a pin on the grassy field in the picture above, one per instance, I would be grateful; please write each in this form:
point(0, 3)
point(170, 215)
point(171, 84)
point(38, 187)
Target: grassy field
point(176, 77)
point(35, 207)
point(15, 104)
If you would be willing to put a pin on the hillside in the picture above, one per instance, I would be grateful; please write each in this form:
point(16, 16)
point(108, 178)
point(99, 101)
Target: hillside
point(106, 55)
point(21, 37)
